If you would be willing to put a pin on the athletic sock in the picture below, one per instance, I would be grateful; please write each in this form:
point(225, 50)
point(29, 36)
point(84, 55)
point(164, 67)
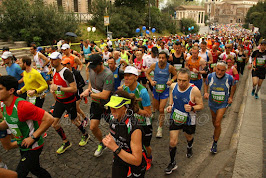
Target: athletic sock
point(172, 151)
point(61, 133)
point(258, 89)
point(81, 128)
point(190, 143)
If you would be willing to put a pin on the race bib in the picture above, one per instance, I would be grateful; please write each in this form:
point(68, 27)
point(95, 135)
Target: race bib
point(32, 99)
point(95, 99)
point(194, 75)
point(179, 117)
point(152, 74)
point(260, 61)
point(160, 88)
point(60, 94)
point(218, 96)
point(240, 59)
point(213, 65)
point(177, 66)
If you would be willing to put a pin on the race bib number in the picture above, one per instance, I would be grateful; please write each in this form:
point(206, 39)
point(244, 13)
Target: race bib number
point(160, 88)
point(179, 117)
point(177, 66)
point(213, 65)
point(60, 94)
point(260, 61)
point(95, 99)
point(218, 97)
point(194, 75)
point(32, 99)
point(240, 59)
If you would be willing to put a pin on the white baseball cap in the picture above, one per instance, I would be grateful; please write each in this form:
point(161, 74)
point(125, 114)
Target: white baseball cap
point(65, 46)
point(131, 70)
point(56, 55)
point(6, 55)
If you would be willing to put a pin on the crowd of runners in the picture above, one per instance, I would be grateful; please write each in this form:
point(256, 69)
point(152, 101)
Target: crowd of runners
point(131, 83)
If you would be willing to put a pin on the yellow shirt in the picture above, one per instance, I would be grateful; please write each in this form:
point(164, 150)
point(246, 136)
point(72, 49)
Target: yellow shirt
point(33, 80)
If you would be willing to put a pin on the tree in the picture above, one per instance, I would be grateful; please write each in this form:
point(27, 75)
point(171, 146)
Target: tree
point(34, 21)
point(186, 23)
point(136, 4)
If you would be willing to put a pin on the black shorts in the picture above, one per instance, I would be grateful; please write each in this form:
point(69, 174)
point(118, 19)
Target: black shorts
point(147, 135)
point(87, 61)
point(97, 112)
point(143, 80)
point(204, 75)
point(59, 109)
point(259, 73)
point(189, 129)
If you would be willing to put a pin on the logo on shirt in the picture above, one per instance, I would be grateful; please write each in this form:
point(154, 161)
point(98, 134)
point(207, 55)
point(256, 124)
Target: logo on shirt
point(13, 119)
point(108, 82)
point(175, 97)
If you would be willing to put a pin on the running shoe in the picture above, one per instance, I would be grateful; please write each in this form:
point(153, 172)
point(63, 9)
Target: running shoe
point(66, 115)
point(129, 172)
point(85, 100)
point(52, 107)
point(51, 111)
point(256, 96)
point(189, 152)
point(170, 168)
point(159, 132)
point(253, 92)
point(99, 150)
point(214, 148)
point(64, 147)
point(85, 122)
point(84, 140)
point(148, 167)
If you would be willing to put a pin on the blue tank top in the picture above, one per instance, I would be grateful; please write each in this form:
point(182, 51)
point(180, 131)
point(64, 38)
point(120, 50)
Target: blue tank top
point(161, 75)
point(117, 80)
point(179, 114)
point(219, 88)
point(86, 50)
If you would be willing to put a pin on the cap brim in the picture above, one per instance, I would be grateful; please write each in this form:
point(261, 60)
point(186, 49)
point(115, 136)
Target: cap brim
point(117, 102)
point(130, 73)
point(93, 66)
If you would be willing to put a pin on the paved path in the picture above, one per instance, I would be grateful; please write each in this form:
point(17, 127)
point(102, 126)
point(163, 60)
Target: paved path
point(79, 161)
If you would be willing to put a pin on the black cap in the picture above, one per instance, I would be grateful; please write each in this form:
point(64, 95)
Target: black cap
point(263, 42)
point(5, 48)
point(95, 60)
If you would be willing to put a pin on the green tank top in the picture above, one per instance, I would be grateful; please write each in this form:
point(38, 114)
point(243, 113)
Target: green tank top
point(21, 130)
point(141, 119)
point(124, 56)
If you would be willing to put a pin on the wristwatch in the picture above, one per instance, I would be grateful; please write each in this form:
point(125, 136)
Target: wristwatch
point(34, 138)
point(89, 94)
point(192, 108)
point(117, 151)
point(58, 88)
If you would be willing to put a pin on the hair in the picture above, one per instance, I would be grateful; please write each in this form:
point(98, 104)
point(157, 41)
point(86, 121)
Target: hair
point(184, 71)
point(195, 48)
point(204, 42)
point(178, 43)
point(230, 57)
point(155, 51)
point(33, 45)
point(9, 82)
point(134, 106)
point(111, 58)
point(222, 63)
point(139, 52)
point(27, 60)
point(166, 55)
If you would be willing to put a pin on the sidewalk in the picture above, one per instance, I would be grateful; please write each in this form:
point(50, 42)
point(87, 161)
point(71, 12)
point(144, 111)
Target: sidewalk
point(249, 158)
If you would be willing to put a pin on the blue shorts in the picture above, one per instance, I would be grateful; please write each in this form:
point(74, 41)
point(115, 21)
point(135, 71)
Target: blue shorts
point(215, 107)
point(160, 96)
point(3, 133)
point(45, 76)
point(197, 83)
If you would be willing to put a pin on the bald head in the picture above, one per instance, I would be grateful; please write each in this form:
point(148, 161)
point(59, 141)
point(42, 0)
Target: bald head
point(116, 55)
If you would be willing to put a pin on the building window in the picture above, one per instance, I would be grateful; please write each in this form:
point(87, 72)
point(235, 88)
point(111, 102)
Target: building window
point(59, 3)
point(76, 6)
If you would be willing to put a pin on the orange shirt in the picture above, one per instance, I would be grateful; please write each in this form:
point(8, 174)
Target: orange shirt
point(72, 61)
point(194, 64)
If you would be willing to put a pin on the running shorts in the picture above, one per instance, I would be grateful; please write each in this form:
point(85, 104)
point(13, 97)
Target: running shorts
point(59, 109)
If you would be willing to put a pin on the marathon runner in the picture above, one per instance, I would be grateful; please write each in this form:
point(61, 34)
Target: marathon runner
point(177, 59)
point(118, 73)
point(219, 97)
point(99, 89)
point(185, 100)
point(196, 65)
point(207, 56)
point(86, 54)
point(14, 70)
point(22, 117)
point(75, 61)
point(144, 114)
point(64, 87)
point(258, 59)
point(125, 138)
point(162, 71)
point(241, 59)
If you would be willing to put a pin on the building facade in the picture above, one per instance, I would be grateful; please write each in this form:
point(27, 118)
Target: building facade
point(228, 11)
point(197, 13)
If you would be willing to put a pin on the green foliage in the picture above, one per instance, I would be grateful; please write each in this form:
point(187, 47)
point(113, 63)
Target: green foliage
point(186, 23)
point(126, 16)
point(256, 16)
point(34, 21)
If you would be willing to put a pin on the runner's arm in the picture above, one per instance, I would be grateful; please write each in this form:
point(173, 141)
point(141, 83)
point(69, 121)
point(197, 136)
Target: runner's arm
point(210, 58)
point(173, 72)
point(72, 88)
point(146, 111)
point(233, 89)
point(202, 64)
point(45, 59)
point(3, 125)
point(197, 99)
point(42, 82)
point(4, 173)
point(78, 62)
point(105, 94)
point(152, 67)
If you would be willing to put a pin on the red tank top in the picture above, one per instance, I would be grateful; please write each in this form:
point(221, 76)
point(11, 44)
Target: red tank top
point(214, 56)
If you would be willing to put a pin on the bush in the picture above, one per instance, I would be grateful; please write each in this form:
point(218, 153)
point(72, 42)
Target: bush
point(186, 23)
point(34, 21)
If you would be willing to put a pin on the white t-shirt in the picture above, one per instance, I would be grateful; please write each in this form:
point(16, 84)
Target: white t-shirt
point(39, 63)
point(148, 60)
point(223, 56)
